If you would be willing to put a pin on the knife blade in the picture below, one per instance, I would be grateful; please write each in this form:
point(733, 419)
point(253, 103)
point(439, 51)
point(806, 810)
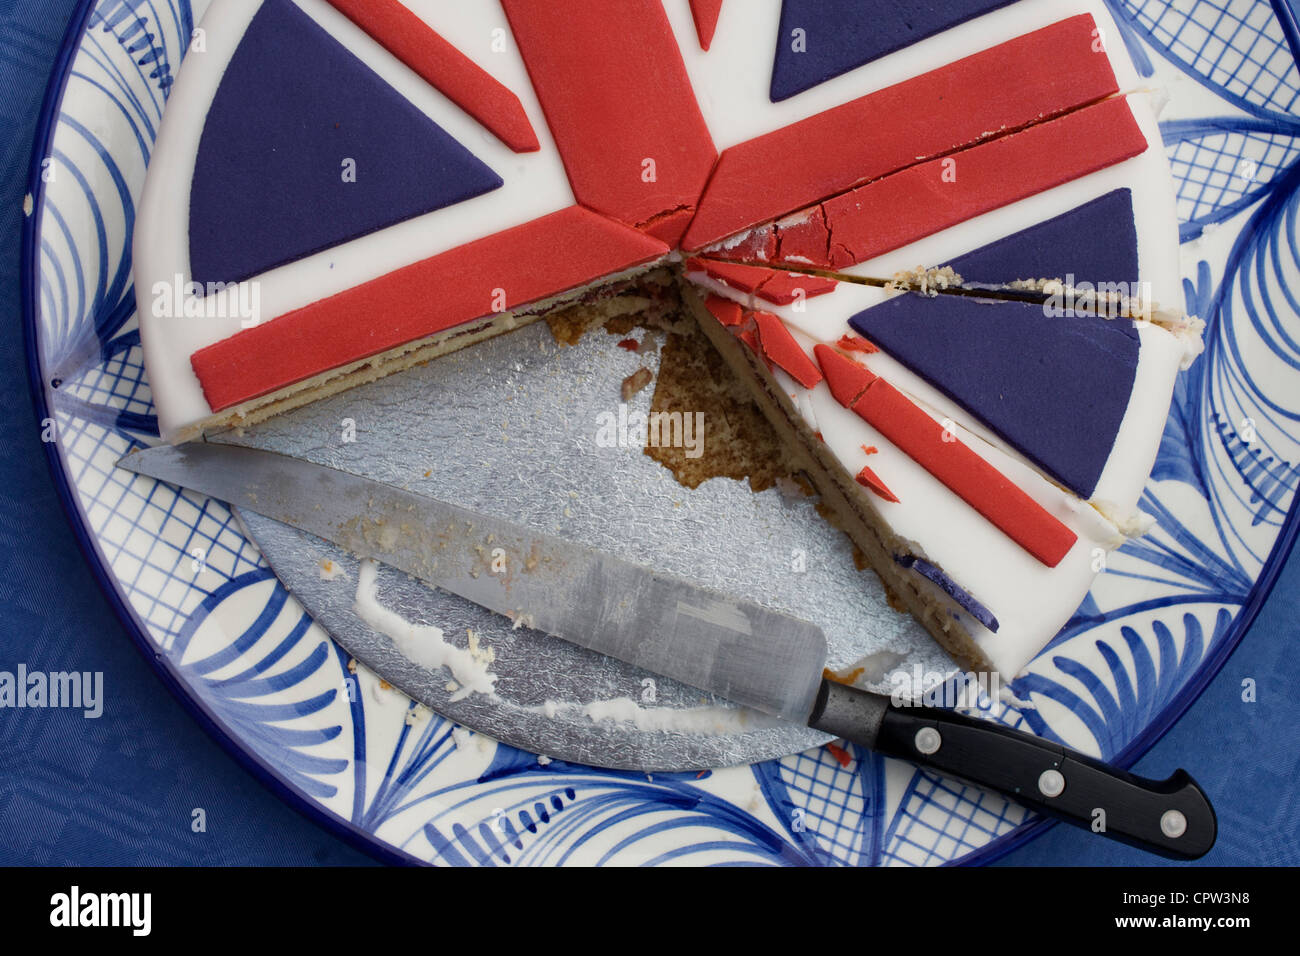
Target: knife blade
point(738, 649)
point(744, 652)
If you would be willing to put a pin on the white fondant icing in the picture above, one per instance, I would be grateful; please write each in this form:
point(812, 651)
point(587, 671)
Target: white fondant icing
point(711, 720)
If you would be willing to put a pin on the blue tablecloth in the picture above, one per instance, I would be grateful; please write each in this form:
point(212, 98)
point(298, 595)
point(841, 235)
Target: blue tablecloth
point(121, 789)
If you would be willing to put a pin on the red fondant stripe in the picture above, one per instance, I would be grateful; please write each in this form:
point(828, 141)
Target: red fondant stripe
point(617, 98)
point(784, 288)
point(800, 238)
point(869, 479)
point(925, 199)
point(1023, 81)
point(750, 338)
point(744, 278)
point(445, 68)
point(758, 245)
point(846, 378)
point(781, 348)
point(965, 473)
point(856, 343)
point(725, 311)
point(706, 13)
point(771, 285)
point(547, 256)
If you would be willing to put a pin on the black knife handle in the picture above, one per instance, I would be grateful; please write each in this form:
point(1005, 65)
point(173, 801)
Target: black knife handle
point(1170, 817)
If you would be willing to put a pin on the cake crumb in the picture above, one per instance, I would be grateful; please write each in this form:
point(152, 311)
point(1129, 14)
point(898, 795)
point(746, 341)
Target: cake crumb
point(331, 570)
point(636, 382)
point(842, 756)
point(484, 655)
point(570, 324)
point(928, 282)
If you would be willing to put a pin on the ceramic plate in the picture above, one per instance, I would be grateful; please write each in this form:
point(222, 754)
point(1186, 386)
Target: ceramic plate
point(270, 684)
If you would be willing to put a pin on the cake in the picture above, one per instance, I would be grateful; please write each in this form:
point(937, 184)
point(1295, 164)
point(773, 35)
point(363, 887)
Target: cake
point(937, 242)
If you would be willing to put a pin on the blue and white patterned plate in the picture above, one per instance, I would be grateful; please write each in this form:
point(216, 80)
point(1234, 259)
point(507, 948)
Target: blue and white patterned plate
point(271, 685)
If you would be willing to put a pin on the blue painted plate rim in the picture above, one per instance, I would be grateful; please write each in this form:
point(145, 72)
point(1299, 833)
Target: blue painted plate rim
point(267, 775)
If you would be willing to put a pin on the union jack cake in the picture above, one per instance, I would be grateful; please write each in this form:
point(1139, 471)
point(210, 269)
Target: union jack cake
point(937, 241)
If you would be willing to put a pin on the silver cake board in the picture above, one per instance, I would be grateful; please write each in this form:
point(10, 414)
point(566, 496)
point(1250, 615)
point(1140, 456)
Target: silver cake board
point(529, 430)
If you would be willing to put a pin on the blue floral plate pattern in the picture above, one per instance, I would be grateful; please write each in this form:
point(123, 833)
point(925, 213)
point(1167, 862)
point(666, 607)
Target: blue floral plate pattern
point(273, 688)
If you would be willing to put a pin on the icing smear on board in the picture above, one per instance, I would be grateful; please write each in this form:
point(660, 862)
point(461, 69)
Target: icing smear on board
point(425, 644)
point(691, 720)
point(422, 643)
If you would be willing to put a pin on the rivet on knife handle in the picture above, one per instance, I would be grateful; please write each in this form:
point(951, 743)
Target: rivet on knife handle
point(1170, 817)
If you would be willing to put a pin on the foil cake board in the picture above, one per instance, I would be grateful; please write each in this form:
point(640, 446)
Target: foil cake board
point(526, 429)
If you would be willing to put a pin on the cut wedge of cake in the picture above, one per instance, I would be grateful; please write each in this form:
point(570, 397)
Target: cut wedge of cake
point(933, 405)
point(985, 545)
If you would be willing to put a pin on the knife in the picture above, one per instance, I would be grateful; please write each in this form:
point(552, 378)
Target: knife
point(737, 649)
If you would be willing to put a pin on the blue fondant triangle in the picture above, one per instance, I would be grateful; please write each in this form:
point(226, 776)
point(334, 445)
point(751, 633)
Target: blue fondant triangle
point(271, 182)
point(1094, 243)
point(822, 39)
point(1056, 389)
